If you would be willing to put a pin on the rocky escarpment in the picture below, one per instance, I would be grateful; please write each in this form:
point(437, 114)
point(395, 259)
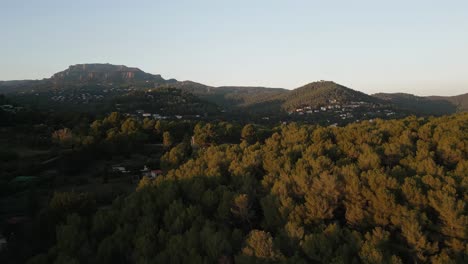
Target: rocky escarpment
point(104, 73)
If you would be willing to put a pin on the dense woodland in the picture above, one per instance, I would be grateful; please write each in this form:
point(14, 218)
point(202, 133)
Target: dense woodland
point(371, 192)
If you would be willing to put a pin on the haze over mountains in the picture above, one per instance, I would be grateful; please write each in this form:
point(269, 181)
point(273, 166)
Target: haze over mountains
point(266, 99)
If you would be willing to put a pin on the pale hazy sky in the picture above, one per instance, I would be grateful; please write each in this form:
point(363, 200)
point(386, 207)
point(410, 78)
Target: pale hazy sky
point(409, 46)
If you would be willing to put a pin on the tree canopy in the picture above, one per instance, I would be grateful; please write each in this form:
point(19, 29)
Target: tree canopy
point(372, 192)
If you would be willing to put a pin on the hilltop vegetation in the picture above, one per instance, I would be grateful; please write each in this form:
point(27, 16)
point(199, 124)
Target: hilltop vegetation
point(424, 105)
point(318, 94)
point(314, 94)
point(234, 97)
point(372, 192)
point(460, 101)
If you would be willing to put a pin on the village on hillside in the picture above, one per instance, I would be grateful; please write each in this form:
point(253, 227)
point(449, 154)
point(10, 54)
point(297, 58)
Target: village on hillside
point(349, 111)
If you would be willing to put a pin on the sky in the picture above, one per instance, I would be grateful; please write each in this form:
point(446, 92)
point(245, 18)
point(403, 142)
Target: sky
point(418, 47)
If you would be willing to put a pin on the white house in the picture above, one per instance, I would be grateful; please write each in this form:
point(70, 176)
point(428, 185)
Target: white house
point(120, 169)
point(3, 243)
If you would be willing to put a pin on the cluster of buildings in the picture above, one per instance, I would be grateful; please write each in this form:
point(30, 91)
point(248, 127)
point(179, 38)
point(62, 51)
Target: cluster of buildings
point(11, 108)
point(333, 106)
point(85, 95)
point(311, 110)
point(388, 112)
point(120, 89)
point(136, 176)
point(82, 98)
point(143, 114)
point(345, 111)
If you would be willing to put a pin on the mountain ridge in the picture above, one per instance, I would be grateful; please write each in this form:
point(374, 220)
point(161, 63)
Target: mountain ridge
point(427, 104)
point(105, 72)
point(313, 94)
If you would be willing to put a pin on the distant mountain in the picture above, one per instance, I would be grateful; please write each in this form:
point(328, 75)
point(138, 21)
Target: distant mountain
point(95, 88)
point(78, 75)
point(431, 105)
point(92, 82)
point(106, 73)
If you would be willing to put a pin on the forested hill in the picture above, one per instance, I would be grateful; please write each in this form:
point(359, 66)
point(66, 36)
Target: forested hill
point(427, 105)
point(460, 101)
point(321, 93)
point(372, 192)
point(314, 94)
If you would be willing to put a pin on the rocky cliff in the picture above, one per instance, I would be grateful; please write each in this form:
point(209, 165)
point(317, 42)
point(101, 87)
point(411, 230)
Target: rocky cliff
point(104, 73)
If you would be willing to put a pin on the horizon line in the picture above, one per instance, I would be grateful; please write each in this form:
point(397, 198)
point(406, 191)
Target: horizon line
point(242, 85)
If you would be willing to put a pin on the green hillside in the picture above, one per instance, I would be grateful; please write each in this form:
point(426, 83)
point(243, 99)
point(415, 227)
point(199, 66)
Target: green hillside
point(460, 101)
point(320, 93)
point(432, 105)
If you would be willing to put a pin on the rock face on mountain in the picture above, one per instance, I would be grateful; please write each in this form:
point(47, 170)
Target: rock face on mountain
point(80, 75)
point(104, 73)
